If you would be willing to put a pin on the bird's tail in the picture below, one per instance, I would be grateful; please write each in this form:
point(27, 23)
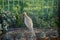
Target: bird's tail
point(33, 32)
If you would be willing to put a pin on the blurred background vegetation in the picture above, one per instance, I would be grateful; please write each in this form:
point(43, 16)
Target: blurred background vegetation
point(42, 12)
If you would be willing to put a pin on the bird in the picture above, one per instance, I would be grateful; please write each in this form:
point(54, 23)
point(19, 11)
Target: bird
point(29, 23)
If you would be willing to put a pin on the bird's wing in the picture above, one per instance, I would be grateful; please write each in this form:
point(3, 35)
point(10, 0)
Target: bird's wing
point(28, 22)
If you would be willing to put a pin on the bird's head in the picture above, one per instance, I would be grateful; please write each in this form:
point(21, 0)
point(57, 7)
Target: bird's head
point(24, 13)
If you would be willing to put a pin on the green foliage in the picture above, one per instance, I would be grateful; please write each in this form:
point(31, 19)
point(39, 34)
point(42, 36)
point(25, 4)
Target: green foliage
point(42, 12)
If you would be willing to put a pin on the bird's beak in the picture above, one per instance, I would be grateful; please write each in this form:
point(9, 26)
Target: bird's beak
point(23, 14)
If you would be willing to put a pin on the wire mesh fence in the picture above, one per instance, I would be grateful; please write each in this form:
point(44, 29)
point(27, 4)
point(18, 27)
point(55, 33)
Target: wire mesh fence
point(43, 13)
